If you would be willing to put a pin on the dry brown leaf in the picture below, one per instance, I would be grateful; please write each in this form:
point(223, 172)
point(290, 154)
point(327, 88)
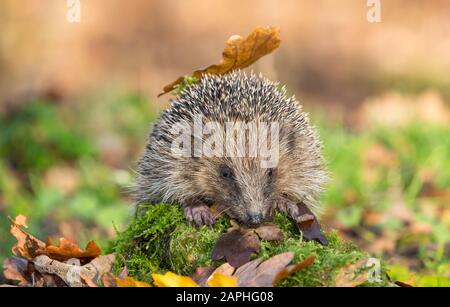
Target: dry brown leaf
point(240, 242)
point(202, 274)
point(108, 280)
point(309, 226)
point(239, 53)
point(236, 247)
point(42, 280)
point(75, 276)
point(27, 246)
point(24, 271)
point(294, 268)
point(68, 249)
point(16, 269)
point(47, 265)
point(225, 269)
point(257, 273)
point(269, 232)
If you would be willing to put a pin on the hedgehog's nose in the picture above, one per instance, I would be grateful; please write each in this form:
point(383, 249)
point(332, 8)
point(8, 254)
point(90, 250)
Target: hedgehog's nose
point(255, 219)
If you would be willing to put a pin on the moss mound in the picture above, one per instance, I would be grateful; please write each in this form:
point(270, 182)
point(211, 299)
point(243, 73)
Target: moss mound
point(159, 240)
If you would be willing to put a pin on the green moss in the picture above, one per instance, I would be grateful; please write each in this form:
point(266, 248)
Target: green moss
point(159, 240)
point(187, 81)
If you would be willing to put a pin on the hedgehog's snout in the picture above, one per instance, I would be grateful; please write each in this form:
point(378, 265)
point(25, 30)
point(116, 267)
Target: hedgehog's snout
point(254, 219)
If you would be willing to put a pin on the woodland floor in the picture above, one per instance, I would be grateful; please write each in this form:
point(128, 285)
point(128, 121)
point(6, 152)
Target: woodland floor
point(69, 170)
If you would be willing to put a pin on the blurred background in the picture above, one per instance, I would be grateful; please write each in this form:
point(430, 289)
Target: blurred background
point(77, 101)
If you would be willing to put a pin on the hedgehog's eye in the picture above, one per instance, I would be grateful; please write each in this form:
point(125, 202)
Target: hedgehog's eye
point(270, 172)
point(225, 172)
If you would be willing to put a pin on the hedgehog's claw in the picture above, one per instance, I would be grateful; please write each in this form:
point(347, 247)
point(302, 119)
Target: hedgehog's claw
point(199, 214)
point(288, 207)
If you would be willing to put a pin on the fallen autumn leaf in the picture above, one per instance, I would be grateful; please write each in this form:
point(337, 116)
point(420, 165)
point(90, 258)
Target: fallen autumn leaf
point(238, 53)
point(236, 247)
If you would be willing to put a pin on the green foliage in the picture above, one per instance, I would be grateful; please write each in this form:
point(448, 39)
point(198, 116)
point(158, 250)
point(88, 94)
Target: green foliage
point(37, 136)
point(436, 279)
point(42, 136)
point(414, 148)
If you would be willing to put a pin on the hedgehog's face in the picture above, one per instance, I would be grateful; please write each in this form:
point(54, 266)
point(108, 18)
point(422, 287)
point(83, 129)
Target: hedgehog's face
point(243, 189)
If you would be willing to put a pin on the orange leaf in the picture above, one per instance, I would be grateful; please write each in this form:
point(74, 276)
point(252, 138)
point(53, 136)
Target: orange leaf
point(27, 246)
point(239, 53)
point(68, 249)
point(294, 268)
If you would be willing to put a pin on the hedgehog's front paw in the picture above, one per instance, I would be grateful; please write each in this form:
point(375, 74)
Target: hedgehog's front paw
point(288, 207)
point(199, 214)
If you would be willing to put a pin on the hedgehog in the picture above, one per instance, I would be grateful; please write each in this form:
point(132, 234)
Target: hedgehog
point(242, 181)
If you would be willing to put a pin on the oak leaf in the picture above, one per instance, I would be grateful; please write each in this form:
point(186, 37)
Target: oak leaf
point(238, 244)
point(236, 247)
point(68, 249)
point(27, 246)
point(258, 273)
point(238, 53)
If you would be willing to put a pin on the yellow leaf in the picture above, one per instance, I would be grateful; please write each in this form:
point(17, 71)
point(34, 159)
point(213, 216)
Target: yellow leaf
point(173, 280)
point(238, 53)
point(221, 280)
point(131, 282)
